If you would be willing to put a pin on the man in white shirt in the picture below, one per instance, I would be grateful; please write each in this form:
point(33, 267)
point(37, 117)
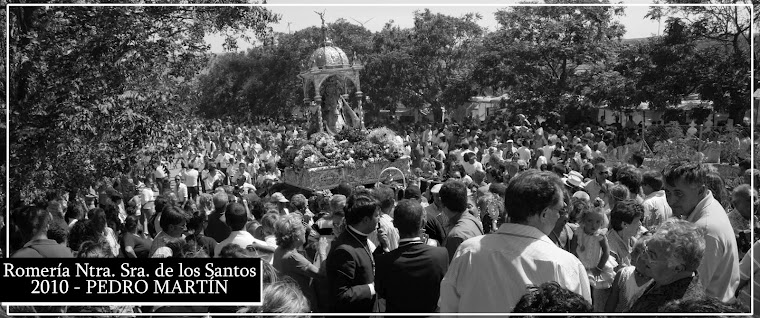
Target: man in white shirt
point(470, 164)
point(524, 151)
point(656, 208)
point(180, 190)
point(236, 218)
point(490, 273)
point(211, 176)
point(691, 200)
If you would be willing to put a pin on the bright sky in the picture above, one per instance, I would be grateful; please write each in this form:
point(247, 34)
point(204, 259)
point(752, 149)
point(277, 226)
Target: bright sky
point(295, 18)
point(300, 14)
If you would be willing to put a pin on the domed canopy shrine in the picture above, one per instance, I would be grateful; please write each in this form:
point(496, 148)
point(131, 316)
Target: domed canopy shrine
point(331, 72)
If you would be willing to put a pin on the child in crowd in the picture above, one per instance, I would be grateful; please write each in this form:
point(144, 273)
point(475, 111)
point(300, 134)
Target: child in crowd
point(591, 247)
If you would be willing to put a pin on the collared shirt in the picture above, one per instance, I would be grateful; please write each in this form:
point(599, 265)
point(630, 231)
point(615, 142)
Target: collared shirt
point(656, 210)
point(460, 228)
point(719, 270)
point(490, 273)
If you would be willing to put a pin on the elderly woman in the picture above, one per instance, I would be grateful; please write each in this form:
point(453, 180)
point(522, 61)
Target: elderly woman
point(672, 256)
point(625, 221)
point(291, 234)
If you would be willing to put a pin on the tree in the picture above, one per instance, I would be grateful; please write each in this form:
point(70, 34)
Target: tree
point(723, 38)
point(265, 79)
point(427, 64)
point(536, 52)
point(90, 86)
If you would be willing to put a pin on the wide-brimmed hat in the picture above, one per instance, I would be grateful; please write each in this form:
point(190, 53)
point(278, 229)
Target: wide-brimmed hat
point(573, 179)
point(279, 197)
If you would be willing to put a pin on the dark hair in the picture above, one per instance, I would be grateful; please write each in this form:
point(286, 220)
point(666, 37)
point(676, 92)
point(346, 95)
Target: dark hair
point(94, 249)
point(385, 196)
point(171, 216)
point(625, 211)
point(236, 216)
point(689, 172)
point(454, 196)
point(131, 222)
point(704, 304)
point(413, 192)
point(638, 158)
point(653, 179)
point(408, 217)
point(74, 211)
point(550, 297)
point(81, 232)
point(344, 189)
point(233, 251)
point(58, 232)
point(161, 202)
point(715, 183)
point(98, 217)
point(31, 220)
point(630, 177)
point(359, 206)
point(530, 192)
point(197, 222)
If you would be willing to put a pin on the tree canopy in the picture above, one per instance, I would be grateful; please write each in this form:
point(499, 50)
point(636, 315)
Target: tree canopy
point(90, 86)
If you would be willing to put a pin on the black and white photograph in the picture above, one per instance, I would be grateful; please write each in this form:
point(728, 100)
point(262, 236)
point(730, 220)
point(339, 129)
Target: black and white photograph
point(582, 157)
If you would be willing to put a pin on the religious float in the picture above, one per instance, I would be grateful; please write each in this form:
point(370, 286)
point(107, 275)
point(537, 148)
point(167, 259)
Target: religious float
point(339, 148)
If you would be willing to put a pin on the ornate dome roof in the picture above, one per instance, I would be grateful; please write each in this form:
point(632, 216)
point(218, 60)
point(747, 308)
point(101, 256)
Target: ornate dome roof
point(329, 56)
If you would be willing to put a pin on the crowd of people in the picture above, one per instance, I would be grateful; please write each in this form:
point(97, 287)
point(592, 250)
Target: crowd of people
point(523, 218)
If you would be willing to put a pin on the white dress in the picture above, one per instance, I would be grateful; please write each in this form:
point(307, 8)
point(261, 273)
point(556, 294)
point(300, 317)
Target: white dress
point(589, 252)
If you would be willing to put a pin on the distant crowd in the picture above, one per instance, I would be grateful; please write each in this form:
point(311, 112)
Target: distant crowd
point(521, 218)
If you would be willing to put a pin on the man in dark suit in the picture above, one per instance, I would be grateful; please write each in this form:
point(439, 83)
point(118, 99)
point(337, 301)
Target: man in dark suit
point(409, 277)
point(350, 263)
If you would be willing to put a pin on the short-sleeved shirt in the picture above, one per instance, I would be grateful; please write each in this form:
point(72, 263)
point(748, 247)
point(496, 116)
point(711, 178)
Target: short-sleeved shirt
point(139, 244)
point(460, 229)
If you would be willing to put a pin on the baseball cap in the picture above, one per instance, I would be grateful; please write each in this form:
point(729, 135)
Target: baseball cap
point(436, 188)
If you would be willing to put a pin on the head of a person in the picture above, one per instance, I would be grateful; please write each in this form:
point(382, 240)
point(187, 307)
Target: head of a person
point(94, 249)
point(674, 251)
point(99, 219)
point(651, 181)
point(536, 198)
point(409, 218)
point(601, 172)
point(637, 159)
point(618, 193)
point(743, 198)
point(236, 216)
point(32, 220)
point(81, 232)
point(289, 231)
point(173, 221)
point(220, 200)
point(362, 212)
point(344, 189)
point(630, 177)
point(337, 203)
point(593, 220)
point(685, 186)
point(478, 176)
point(299, 202)
point(704, 304)
point(386, 197)
point(550, 297)
point(234, 251)
point(717, 187)
point(413, 192)
point(132, 224)
point(283, 296)
point(453, 195)
point(626, 218)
